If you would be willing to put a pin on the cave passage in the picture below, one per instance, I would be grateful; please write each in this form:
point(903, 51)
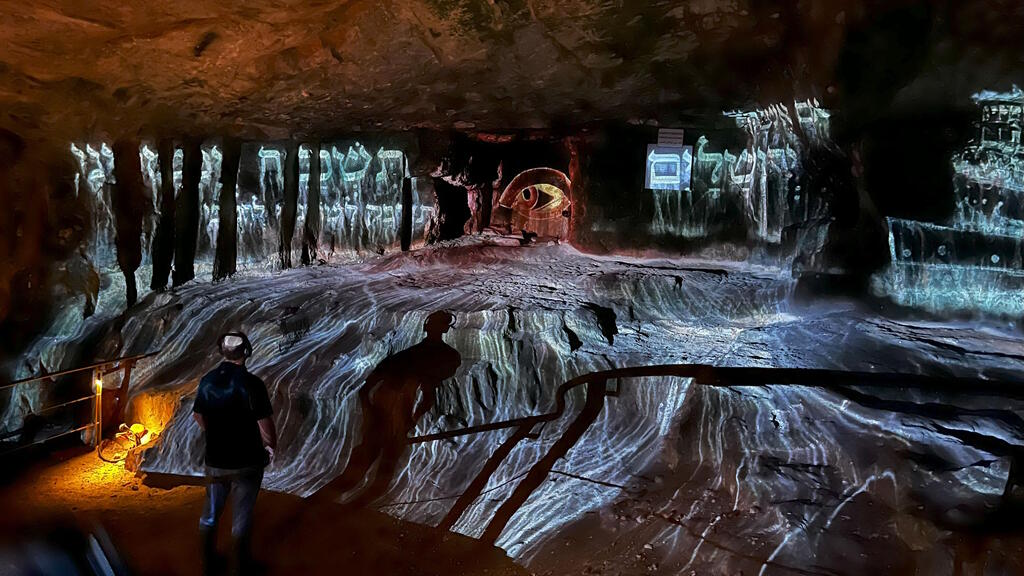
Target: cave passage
point(459, 287)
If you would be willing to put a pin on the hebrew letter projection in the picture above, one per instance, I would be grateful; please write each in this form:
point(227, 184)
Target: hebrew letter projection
point(696, 191)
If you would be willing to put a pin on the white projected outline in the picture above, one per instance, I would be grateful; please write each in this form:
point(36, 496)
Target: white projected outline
point(668, 169)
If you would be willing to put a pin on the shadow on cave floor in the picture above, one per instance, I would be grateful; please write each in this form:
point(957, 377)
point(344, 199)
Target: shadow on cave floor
point(155, 529)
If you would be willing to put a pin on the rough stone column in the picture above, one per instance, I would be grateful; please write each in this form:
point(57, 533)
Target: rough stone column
point(291, 202)
point(163, 240)
point(311, 232)
point(187, 215)
point(226, 256)
point(475, 204)
point(129, 196)
point(406, 229)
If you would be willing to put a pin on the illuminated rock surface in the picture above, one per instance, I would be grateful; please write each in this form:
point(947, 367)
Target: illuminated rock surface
point(759, 480)
point(973, 263)
point(652, 475)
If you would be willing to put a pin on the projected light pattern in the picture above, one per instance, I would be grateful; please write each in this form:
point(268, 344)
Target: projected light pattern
point(151, 179)
point(91, 286)
point(96, 171)
point(362, 202)
point(360, 192)
point(537, 194)
point(361, 211)
point(668, 168)
point(422, 208)
point(259, 210)
point(763, 182)
point(360, 205)
point(177, 166)
point(777, 473)
point(209, 203)
point(95, 183)
point(973, 262)
point(302, 208)
point(767, 172)
point(326, 170)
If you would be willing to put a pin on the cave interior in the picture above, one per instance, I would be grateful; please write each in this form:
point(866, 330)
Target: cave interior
point(734, 287)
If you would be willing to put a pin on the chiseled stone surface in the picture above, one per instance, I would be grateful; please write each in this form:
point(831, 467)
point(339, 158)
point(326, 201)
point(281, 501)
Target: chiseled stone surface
point(668, 477)
point(265, 69)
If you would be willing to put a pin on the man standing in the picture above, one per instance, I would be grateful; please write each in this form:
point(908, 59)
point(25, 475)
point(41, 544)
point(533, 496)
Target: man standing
point(233, 409)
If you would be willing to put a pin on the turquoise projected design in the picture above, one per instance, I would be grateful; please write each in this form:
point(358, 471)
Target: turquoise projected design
point(668, 168)
point(94, 181)
point(762, 181)
point(973, 262)
point(361, 201)
point(209, 202)
point(259, 209)
point(149, 159)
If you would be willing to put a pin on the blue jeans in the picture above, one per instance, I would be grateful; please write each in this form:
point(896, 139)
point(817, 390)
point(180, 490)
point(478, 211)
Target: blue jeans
point(243, 486)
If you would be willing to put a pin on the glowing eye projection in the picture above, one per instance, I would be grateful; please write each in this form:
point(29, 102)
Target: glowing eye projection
point(537, 194)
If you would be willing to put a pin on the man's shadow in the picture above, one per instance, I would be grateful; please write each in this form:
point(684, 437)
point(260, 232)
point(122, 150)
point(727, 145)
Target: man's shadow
point(390, 410)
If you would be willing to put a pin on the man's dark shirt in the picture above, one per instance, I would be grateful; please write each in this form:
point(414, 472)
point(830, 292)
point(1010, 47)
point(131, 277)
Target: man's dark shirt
point(232, 401)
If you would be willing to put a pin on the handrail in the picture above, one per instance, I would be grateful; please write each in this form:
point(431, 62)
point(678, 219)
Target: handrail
point(704, 375)
point(47, 439)
point(708, 375)
point(92, 366)
point(99, 370)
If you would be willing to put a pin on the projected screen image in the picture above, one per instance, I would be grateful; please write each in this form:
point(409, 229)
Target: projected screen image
point(668, 168)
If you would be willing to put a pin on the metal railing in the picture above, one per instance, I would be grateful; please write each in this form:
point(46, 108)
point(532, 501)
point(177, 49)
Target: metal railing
point(707, 375)
point(99, 370)
point(597, 390)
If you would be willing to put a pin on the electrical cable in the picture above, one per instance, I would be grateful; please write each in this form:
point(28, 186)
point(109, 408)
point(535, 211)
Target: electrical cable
point(123, 435)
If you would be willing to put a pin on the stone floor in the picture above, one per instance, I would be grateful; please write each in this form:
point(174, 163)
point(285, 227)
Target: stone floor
point(655, 475)
point(154, 530)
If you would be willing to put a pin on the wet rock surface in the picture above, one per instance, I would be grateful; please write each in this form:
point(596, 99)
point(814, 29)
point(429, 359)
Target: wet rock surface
point(643, 475)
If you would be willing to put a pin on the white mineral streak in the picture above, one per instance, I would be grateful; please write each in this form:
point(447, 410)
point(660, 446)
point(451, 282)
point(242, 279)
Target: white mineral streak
point(715, 480)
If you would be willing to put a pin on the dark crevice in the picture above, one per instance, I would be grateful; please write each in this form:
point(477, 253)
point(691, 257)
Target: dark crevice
point(574, 341)
point(186, 215)
point(129, 204)
point(291, 200)
point(452, 211)
point(605, 320)
point(511, 320)
point(226, 255)
point(204, 43)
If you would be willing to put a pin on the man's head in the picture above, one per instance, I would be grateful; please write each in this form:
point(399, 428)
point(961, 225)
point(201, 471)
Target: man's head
point(438, 323)
point(235, 347)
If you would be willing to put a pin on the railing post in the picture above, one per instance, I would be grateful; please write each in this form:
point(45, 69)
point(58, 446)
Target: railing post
point(97, 382)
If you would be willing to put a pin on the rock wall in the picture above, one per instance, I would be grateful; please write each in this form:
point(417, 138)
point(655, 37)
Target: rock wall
point(651, 474)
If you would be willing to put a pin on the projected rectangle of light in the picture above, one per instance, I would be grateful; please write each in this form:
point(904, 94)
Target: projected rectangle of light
point(668, 168)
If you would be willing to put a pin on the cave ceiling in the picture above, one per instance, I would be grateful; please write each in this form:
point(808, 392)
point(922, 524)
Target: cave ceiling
point(288, 69)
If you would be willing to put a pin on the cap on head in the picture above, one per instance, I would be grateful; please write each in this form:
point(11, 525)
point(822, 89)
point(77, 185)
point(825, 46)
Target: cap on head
point(235, 346)
point(439, 322)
